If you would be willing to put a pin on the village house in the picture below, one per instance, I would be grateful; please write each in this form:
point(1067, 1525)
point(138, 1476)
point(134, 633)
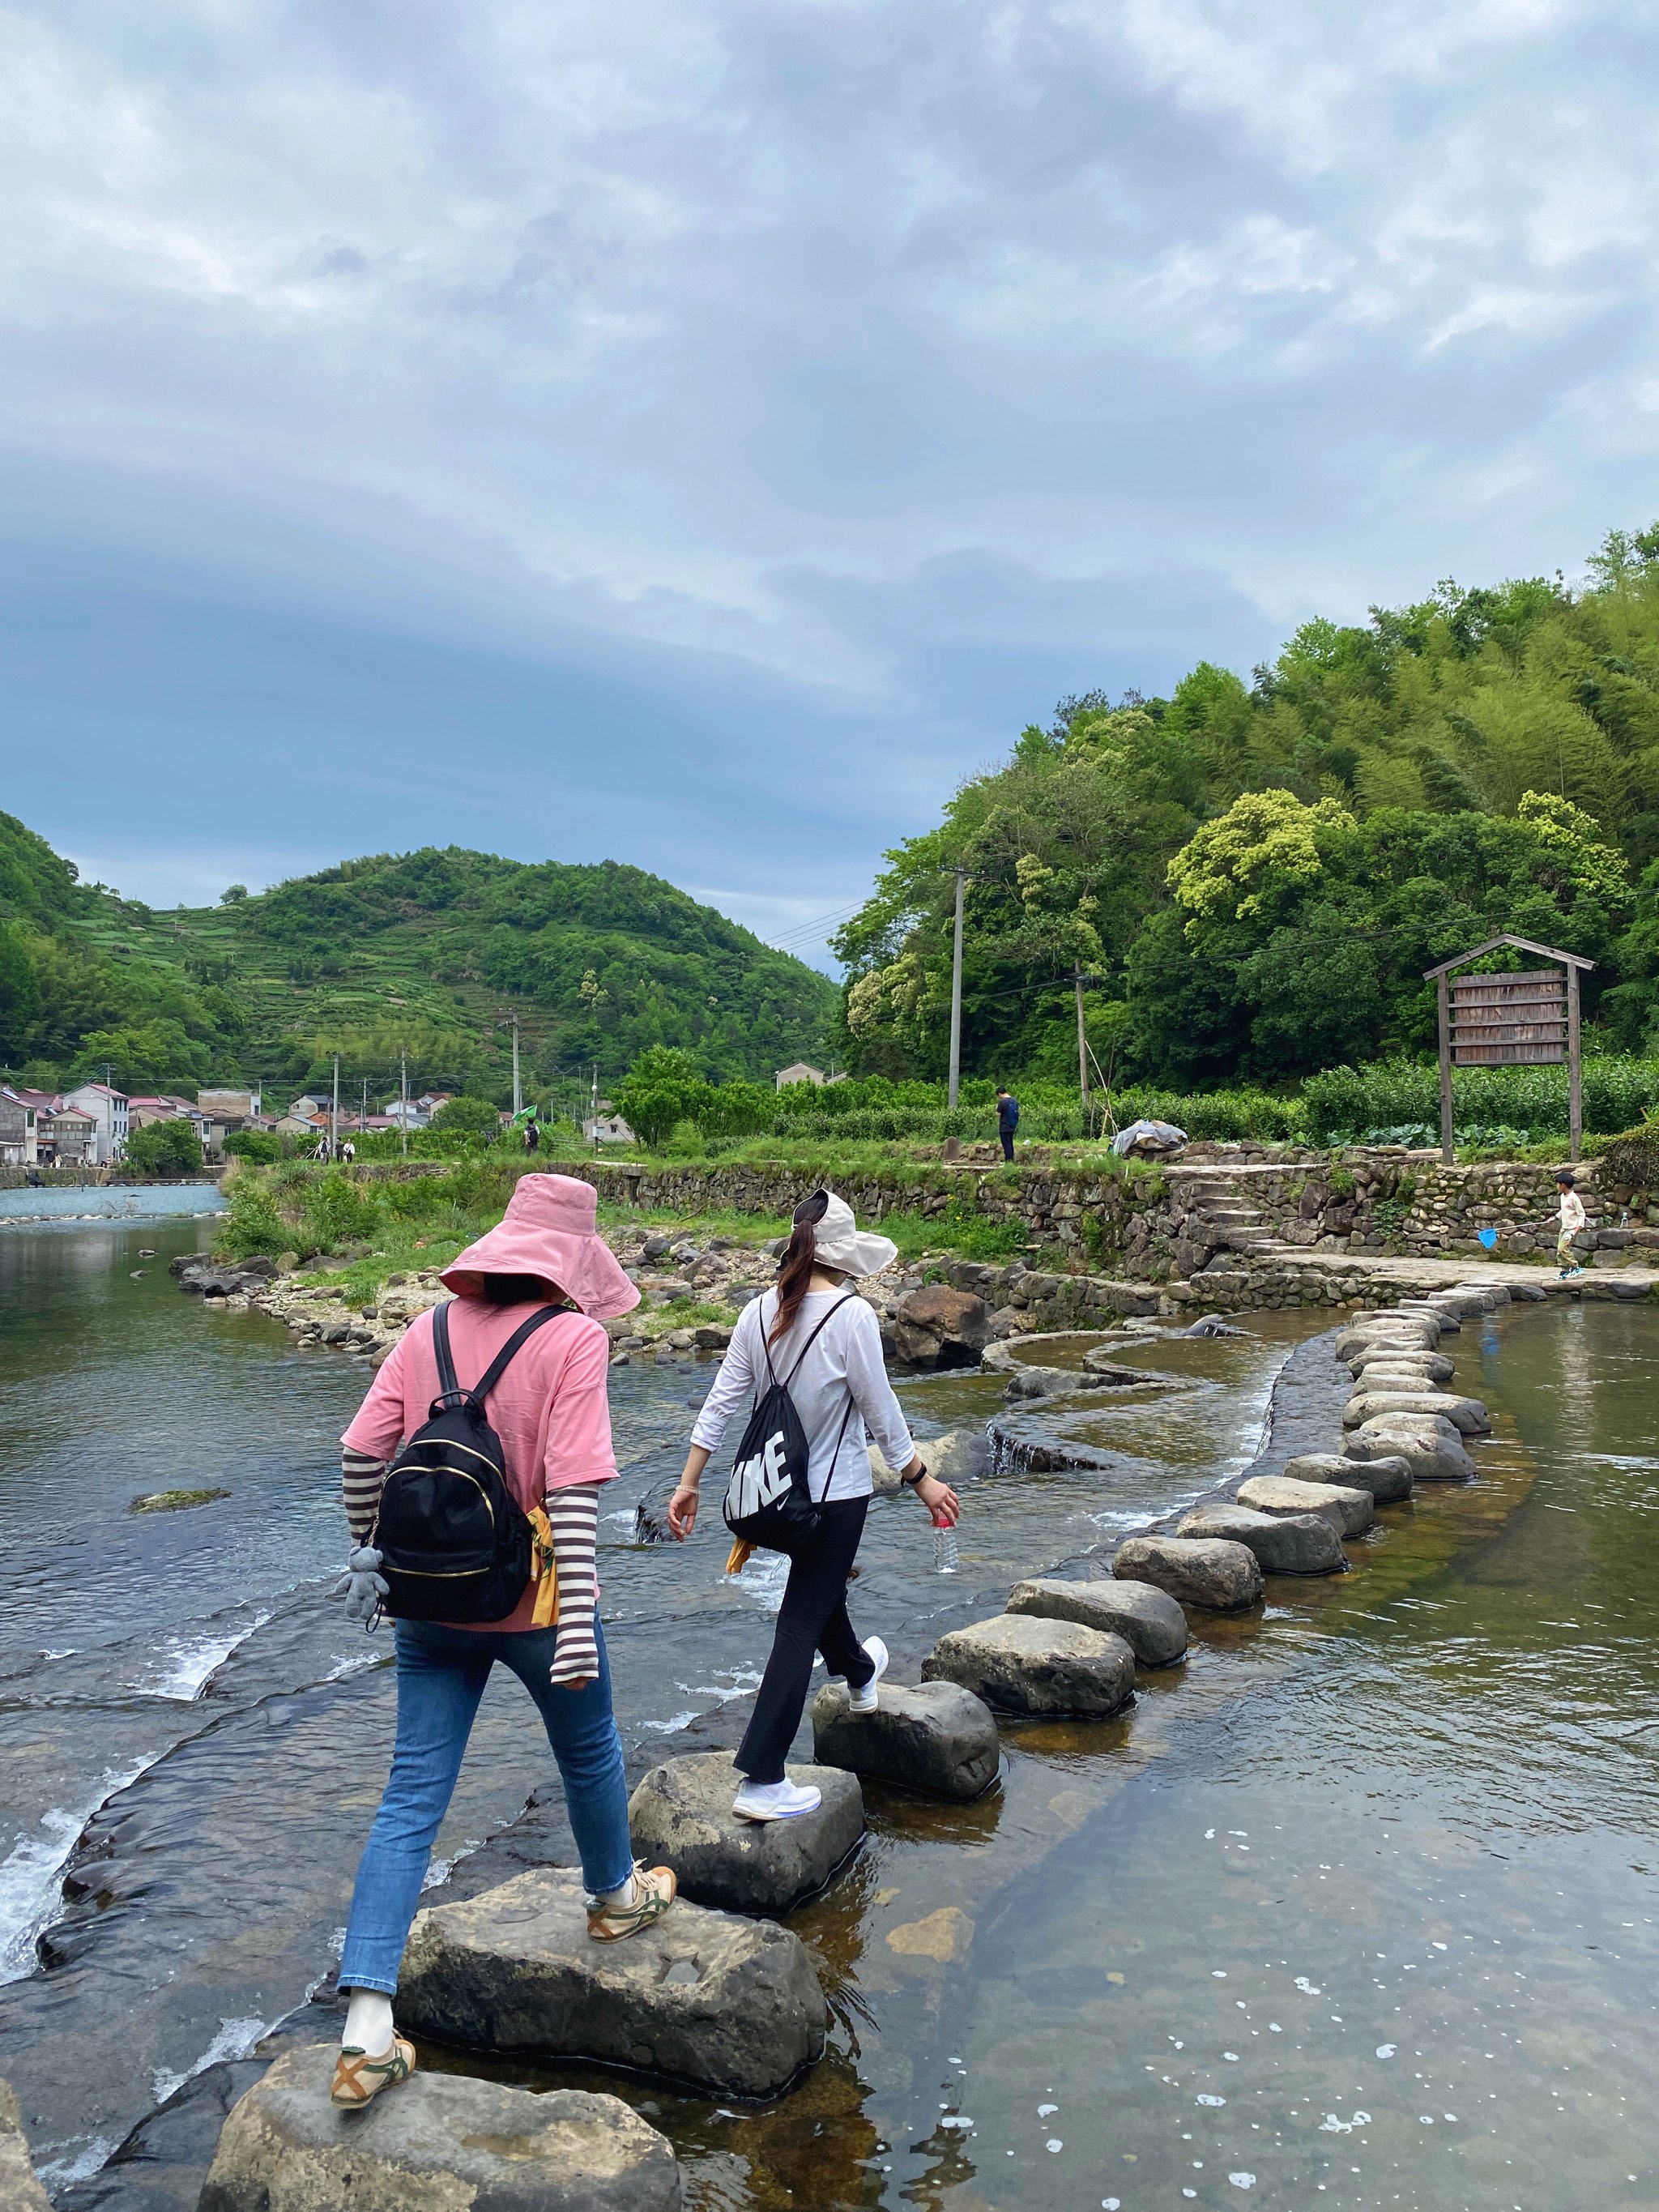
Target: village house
point(17, 1131)
point(802, 1070)
point(227, 1102)
point(106, 1109)
point(72, 1138)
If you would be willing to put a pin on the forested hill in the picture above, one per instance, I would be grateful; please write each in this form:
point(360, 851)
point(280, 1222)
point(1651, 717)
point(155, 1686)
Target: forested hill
point(1255, 875)
point(423, 952)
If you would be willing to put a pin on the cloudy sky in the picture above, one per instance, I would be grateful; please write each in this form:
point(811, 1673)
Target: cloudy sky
point(699, 432)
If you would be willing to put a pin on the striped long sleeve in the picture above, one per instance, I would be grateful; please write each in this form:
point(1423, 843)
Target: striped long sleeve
point(362, 1480)
point(574, 1515)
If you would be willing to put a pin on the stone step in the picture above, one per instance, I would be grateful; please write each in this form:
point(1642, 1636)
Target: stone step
point(1029, 1666)
point(1432, 1448)
point(1148, 1621)
point(1284, 1544)
point(1469, 1416)
point(725, 2003)
point(1349, 1511)
point(937, 1739)
point(681, 1816)
point(1213, 1573)
point(437, 2140)
point(1388, 1481)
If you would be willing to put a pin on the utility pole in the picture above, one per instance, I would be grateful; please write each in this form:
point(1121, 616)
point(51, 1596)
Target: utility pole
point(518, 1095)
point(1082, 1046)
point(956, 998)
point(403, 1098)
point(334, 1114)
point(593, 1108)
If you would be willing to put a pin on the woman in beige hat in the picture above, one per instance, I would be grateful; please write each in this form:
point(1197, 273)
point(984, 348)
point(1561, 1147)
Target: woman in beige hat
point(824, 1341)
point(552, 1414)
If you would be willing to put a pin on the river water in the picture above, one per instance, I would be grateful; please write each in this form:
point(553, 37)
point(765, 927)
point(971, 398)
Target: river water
point(1359, 1904)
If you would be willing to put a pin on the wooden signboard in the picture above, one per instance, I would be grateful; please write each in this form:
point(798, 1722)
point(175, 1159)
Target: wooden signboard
point(1526, 1018)
point(1509, 1021)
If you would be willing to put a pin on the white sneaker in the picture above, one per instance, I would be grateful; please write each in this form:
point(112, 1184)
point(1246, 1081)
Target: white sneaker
point(774, 1801)
point(865, 1700)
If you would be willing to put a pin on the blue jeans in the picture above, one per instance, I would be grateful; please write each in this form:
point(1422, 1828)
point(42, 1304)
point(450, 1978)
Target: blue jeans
point(442, 1673)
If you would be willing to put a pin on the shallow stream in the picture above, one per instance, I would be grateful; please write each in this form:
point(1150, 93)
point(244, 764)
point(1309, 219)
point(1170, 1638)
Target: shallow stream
point(1359, 1903)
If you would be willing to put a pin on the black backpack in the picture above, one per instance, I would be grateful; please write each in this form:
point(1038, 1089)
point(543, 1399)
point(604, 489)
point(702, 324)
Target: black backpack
point(454, 1544)
point(768, 1498)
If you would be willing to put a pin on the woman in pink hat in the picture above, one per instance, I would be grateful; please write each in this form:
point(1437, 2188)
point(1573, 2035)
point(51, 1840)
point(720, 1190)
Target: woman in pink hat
point(552, 1416)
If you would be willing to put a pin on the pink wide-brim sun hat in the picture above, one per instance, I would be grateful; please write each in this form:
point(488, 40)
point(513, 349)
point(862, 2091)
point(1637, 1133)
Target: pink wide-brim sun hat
point(550, 1229)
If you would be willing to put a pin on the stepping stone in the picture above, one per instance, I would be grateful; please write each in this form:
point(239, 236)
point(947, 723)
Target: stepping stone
point(1403, 1336)
point(1148, 1620)
point(1388, 1481)
point(1284, 1543)
point(1432, 1448)
point(1024, 1665)
point(681, 1816)
point(1466, 1415)
point(1433, 1364)
point(19, 2192)
point(1211, 1572)
point(1350, 1512)
point(436, 2141)
point(937, 1739)
point(727, 2004)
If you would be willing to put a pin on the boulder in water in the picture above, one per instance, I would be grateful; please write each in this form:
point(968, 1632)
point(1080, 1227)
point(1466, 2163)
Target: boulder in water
point(938, 1739)
point(1213, 1573)
point(729, 2004)
point(681, 1816)
point(1388, 1481)
point(1349, 1511)
point(938, 1327)
point(435, 2143)
point(1284, 1543)
point(1466, 1415)
point(1029, 1666)
point(1432, 1448)
point(1148, 1620)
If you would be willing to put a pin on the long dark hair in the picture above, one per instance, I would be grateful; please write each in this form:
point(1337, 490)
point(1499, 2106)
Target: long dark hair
point(795, 1268)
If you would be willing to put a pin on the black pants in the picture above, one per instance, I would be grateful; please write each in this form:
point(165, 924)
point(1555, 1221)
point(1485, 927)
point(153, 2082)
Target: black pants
point(1007, 1137)
point(812, 1618)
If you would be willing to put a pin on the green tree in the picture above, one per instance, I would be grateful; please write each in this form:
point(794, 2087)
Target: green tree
point(170, 1147)
point(468, 1117)
point(662, 1088)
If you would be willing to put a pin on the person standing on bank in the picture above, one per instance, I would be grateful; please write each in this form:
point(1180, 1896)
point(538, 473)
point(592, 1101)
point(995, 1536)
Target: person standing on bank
point(1572, 1220)
point(551, 1415)
point(823, 1342)
point(1007, 1120)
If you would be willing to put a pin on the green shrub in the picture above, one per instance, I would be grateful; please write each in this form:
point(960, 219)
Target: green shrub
point(1343, 1105)
point(171, 1148)
point(252, 1223)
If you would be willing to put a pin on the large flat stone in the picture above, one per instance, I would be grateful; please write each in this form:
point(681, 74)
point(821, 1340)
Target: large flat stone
point(1148, 1620)
point(1432, 1448)
point(1466, 1415)
point(1387, 1359)
point(20, 2191)
point(727, 2003)
point(1284, 1543)
point(1211, 1572)
point(1350, 1512)
point(1388, 1481)
point(681, 1816)
point(439, 2142)
point(1025, 1665)
point(938, 1739)
point(1368, 1336)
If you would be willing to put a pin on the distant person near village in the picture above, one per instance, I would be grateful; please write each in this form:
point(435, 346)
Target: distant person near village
point(348, 1151)
point(1572, 1220)
point(532, 1136)
point(1007, 1120)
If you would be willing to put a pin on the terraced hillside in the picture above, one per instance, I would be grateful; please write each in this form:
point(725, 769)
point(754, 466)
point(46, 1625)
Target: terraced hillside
point(434, 952)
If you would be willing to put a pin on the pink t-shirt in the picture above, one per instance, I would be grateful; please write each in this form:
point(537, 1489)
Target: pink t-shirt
point(550, 1409)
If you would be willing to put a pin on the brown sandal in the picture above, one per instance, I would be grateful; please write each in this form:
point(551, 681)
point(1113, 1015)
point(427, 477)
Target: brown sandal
point(359, 2079)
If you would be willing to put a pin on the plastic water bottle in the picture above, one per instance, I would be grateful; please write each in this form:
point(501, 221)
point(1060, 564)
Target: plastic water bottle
point(946, 1561)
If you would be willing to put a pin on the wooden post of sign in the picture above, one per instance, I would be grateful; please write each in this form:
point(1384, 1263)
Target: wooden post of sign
point(1575, 1071)
point(1442, 993)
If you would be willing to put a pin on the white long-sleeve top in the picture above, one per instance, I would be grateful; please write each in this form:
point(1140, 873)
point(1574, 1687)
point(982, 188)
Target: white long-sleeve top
point(844, 1357)
point(1572, 1213)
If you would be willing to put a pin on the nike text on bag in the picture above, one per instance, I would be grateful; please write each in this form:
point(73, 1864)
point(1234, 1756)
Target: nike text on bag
point(454, 1544)
point(768, 1499)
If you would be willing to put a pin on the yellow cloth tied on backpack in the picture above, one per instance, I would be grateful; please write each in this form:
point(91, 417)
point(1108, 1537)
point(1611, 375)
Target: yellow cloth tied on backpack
point(545, 1571)
point(738, 1557)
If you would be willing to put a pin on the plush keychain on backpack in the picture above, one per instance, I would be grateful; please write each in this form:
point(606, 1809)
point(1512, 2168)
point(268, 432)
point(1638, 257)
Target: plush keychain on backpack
point(362, 1586)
